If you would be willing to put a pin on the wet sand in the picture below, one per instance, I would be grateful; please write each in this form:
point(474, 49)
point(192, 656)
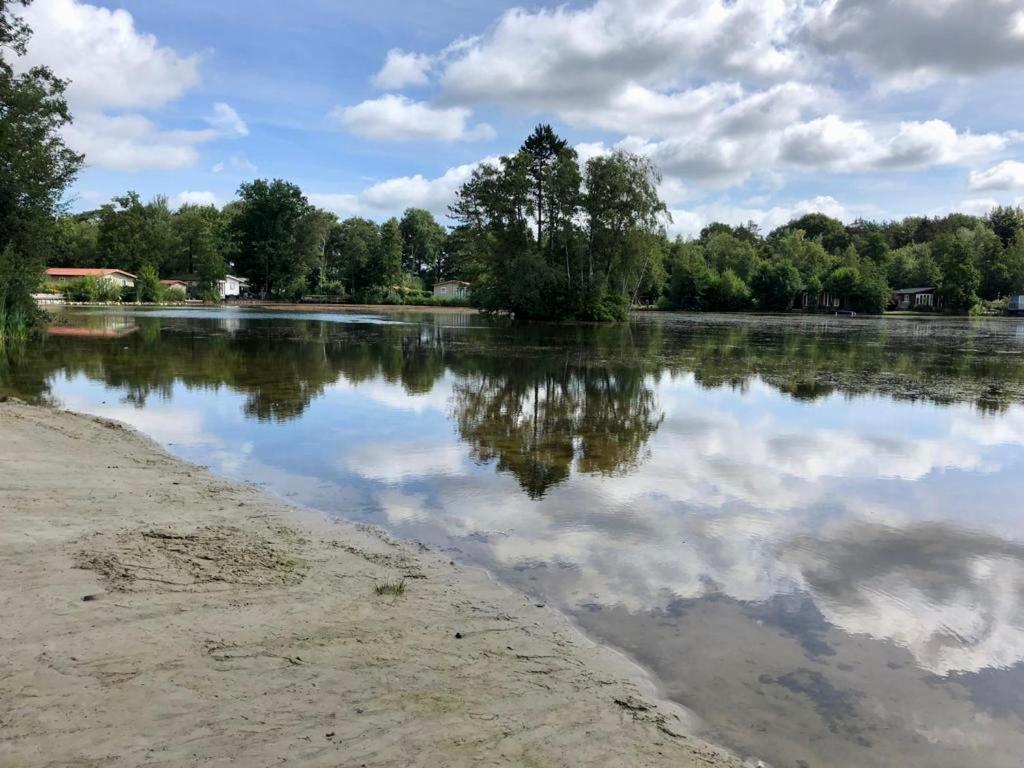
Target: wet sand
point(154, 615)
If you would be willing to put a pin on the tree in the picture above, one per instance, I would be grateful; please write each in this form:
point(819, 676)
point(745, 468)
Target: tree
point(831, 233)
point(1007, 222)
point(542, 149)
point(960, 277)
point(422, 243)
point(621, 200)
point(36, 166)
point(776, 284)
point(132, 234)
point(266, 230)
point(389, 260)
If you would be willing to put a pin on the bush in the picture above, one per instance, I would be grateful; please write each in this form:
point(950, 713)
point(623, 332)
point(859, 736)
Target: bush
point(727, 292)
point(776, 283)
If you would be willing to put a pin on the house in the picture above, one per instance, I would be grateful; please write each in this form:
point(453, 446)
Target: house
point(824, 301)
point(117, 276)
point(231, 286)
point(916, 298)
point(177, 286)
point(452, 289)
point(1016, 304)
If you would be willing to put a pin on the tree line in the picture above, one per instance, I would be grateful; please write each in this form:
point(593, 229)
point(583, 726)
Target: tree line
point(536, 234)
point(271, 235)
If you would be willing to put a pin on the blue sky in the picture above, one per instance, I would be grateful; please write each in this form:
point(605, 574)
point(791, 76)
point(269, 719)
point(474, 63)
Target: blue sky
point(752, 109)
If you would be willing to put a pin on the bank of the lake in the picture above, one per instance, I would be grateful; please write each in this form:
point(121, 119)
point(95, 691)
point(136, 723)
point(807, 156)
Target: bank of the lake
point(156, 615)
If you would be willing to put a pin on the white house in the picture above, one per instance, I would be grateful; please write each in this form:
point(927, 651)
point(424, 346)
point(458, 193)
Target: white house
point(231, 286)
point(117, 276)
point(452, 289)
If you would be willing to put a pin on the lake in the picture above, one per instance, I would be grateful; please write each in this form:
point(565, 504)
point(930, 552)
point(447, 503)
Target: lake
point(808, 529)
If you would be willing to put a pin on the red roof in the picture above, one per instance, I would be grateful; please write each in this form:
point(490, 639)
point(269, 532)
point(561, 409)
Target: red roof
point(85, 272)
point(174, 282)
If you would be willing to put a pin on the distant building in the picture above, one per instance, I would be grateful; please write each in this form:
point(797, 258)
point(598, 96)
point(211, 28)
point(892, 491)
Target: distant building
point(452, 289)
point(1016, 304)
point(116, 276)
point(231, 286)
point(178, 286)
point(823, 301)
point(917, 298)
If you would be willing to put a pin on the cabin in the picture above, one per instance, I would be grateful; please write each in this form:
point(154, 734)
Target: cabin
point(176, 286)
point(1016, 304)
point(452, 289)
point(229, 287)
point(116, 276)
point(823, 301)
point(916, 298)
point(232, 287)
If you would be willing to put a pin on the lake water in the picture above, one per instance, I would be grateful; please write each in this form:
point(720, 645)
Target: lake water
point(809, 530)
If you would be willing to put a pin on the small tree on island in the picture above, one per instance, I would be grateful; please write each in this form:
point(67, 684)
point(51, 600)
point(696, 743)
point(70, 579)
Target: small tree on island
point(552, 242)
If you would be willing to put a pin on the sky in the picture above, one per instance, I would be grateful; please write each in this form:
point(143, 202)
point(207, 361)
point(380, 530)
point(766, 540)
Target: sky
point(751, 109)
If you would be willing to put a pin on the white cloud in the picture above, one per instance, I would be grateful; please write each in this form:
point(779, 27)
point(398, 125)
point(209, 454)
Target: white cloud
point(133, 142)
point(110, 64)
point(237, 164)
point(397, 118)
point(113, 67)
point(832, 143)
point(1007, 175)
point(977, 206)
point(914, 43)
point(688, 223)
point(193, 197)
point(403, 69)
point(575, 58)
point(391, 197)
point(226, 121)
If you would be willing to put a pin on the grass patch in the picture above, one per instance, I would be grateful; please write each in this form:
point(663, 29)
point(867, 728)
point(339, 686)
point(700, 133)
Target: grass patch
point(389, 587)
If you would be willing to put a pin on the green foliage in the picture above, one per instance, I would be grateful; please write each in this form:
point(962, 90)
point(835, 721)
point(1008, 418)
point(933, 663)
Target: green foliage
point(550, 241)
point(266, 228)
point(960, 277)
point(91, 290)
point(148, 285)
point(36, 166)
point(776, 284)
point(394, 588)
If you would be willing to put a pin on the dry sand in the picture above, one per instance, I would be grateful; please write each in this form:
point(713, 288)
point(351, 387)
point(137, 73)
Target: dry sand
point(154, 615)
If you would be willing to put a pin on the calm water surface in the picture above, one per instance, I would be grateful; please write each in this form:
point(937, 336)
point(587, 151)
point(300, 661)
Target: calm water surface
point(809, 530)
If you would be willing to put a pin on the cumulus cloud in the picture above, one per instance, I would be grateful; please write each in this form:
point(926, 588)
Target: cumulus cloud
point(397, 118)
point(835, 144)
point(688, 223)
point(391, 197)
point(109, 62)
point(1007, 175)
point(914, 43)
point(570, 58)
point(133, 142)
point(113, 67)
point(193, 197)
point(403, 69)
point(977, 206)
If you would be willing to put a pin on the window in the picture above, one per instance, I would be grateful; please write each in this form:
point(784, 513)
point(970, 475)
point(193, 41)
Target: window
point(923, 300)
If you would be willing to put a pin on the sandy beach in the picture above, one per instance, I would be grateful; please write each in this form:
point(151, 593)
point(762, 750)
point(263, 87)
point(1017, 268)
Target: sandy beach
point(154, 615)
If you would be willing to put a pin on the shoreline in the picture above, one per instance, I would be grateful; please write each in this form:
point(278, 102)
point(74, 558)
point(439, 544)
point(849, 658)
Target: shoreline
point(157, 615)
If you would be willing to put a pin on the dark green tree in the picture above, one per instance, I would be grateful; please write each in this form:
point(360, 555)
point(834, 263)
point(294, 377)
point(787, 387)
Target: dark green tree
point(36, 167)
point(266, 229)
